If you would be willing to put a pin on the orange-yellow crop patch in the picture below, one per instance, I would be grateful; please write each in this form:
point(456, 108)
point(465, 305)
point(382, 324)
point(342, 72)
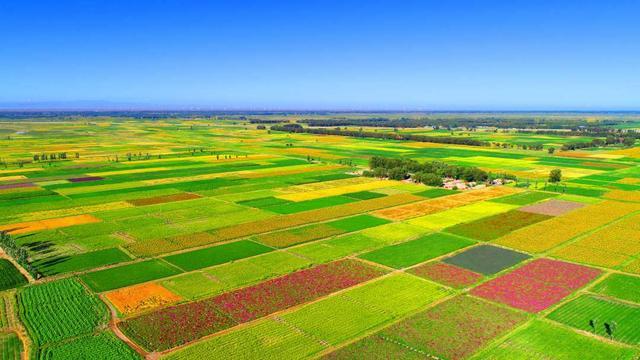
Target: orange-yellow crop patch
point(443, 203)
point(137, 298)
point(48, 224)
point(577, 253)
point(553, 232)
point(623, 195)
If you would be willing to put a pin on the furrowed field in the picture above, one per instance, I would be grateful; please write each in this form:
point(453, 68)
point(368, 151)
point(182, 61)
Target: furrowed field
point(192, 238)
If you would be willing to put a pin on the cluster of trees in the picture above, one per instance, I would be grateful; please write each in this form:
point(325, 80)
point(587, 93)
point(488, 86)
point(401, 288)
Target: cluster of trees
point(297, 128)
point(627, 140)
point(19, 253)
point(429, 173)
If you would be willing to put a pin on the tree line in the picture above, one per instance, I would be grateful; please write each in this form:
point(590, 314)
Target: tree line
point(17, 252)
point(471, 122)
point(297, 128)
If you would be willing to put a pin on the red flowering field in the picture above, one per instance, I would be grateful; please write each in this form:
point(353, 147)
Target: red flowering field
point(173, 326)
point(446, 274)
point(537, 285)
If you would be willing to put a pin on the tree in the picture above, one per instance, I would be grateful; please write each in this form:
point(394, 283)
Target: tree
point(551, 150)
point(555, 176)
point(397, 173)
point(428, 179)
point(629, 141)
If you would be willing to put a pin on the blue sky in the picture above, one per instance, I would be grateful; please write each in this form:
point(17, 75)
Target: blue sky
point(306, 54)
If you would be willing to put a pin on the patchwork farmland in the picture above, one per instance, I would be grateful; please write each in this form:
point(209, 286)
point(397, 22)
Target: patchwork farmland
point(192, 238)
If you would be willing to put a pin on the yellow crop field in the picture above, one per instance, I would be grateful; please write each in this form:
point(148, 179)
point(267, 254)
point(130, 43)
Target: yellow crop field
point(547, 234)
point(623, 195)
point(74, 211)
point(316, 194)
point(33, 226)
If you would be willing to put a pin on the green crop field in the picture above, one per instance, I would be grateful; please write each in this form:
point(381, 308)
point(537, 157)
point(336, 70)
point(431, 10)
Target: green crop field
point(10, 277)
point(212, 229)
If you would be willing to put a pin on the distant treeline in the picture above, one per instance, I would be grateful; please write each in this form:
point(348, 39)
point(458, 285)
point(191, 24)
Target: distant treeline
point(451, 123)
point(628, 140)
point(267, 121)
point(297, 128)
point(429, 173)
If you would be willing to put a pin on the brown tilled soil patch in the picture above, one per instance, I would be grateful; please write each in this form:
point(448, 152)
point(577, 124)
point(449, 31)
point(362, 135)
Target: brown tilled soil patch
point(552, 207)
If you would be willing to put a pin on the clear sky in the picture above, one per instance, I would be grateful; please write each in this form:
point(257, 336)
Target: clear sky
point(307, 54)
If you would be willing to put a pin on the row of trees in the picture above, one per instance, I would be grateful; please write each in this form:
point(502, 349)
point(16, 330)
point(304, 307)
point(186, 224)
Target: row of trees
point(627, 140)
point(19, 253)
point(429, 173)
point(525, 122)
point(52, 156)
point(297, 128)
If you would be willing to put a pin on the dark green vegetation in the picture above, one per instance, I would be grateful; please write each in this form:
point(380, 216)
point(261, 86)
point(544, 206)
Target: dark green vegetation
point(90, 260)
point(486, 259)
point(10, 277)
point(416, 251)
point(122, 276)
point(199, 259)
point(429, 173)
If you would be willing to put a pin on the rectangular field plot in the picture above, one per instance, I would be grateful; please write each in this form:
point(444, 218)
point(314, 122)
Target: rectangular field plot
point(105, 345)
point(443, 203)
point(536, 285)
point(619, 286)
point(552, 207)
point(198, 259)
point(588, 310)
point(59, 310)
point(462, 214)
point(486, 259)
point(164, 199)
point(541, 340)
point(349, 314)
point(609, 247)
point(142, 297)
point(319, 231)
point(63, 264)
point(126, 275)
point(416, 251)
point(525, 198)
point(553, 232)
point(493, 227)
point(290, 207)
point(446, 274)
point(449, 330)
point(158, 330)
point(267, 339)
point(376, 348)
point(10, 277)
